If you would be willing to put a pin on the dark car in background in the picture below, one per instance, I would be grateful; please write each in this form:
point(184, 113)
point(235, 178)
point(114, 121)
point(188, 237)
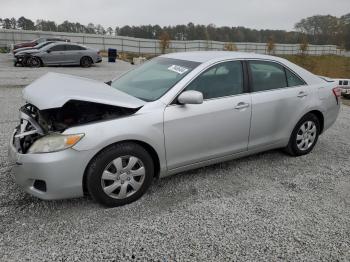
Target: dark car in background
point(38, 46)
point(59, 53)
point(38, 41)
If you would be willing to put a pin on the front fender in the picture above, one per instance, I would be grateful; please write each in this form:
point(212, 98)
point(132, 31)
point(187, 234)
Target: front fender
point(146, 128)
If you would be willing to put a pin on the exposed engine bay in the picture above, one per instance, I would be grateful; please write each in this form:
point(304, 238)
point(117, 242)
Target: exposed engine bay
point(36, 123)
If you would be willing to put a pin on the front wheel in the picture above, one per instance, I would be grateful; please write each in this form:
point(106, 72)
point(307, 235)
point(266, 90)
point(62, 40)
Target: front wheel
point(304, 136)
point(32, 62)
point(120, 174)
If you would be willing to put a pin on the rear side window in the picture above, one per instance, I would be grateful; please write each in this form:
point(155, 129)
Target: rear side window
point(58, 48)
point(346, 83)
point(74, 47)
point(224, 79)
point(293, 80)
point(267, 76)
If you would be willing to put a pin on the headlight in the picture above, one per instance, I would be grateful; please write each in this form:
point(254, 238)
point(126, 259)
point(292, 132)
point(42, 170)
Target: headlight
point(56, 142)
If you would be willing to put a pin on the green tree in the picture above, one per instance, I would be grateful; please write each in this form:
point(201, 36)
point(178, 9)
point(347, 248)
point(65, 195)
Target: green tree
point(25, 24)
point(45, 25)
point(13, 23)
point(100, 30)
point(109, 30)
point(322, 28)
point(6, 23)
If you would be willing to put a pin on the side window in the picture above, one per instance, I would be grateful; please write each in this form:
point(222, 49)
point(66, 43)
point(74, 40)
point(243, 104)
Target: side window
point(58, 48)
point(267, 76)
point(73, 47)
point(293, 80)
point(346, 83)
point(224, 79)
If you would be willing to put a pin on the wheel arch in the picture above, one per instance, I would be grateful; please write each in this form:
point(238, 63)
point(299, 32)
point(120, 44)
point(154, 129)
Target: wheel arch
point(320, 118)
point(39, 58)
point(153, 153)
point(89, 57)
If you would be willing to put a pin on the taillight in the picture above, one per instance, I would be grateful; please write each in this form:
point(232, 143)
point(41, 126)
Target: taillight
point(337, 93)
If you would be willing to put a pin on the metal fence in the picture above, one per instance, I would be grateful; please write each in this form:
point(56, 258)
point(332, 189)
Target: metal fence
point(152, 46)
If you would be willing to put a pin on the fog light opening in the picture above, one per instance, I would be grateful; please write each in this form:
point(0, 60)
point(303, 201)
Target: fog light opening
point(40, 185)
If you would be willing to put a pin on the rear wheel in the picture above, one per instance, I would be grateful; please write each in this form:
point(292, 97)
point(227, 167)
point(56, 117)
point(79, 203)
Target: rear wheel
point(120, 174)
point(304, 136)
point(85, 61)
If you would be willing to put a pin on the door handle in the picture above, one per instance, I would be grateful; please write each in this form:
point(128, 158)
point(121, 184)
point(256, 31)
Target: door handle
point(241, 105)
point(302, 94)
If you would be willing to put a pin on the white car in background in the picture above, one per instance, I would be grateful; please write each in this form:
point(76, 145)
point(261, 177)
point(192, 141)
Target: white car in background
point(344, 85)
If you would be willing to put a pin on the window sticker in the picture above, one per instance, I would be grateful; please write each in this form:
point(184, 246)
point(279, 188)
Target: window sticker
point(178, 69)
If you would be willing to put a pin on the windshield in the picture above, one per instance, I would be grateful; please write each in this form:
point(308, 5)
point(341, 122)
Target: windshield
point(153, 79)
point(42, 45)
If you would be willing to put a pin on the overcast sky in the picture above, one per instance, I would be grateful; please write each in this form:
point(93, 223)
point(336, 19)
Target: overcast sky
point(259, 14)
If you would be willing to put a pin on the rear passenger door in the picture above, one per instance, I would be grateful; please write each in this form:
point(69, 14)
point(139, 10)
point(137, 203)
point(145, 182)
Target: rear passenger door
point(279, 97)
point(74, 53)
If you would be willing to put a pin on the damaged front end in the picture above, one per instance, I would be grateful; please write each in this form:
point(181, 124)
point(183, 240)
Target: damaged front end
point(35, 123)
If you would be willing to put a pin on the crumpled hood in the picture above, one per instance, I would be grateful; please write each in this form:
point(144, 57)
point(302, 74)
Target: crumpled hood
point(53, 90)
point(26, 50)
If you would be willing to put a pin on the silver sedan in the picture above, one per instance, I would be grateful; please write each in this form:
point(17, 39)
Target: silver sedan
point(59, 53)
point(174, 113)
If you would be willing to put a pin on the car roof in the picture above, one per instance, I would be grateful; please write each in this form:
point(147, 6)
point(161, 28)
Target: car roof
point(205, 56)
point(64, 43)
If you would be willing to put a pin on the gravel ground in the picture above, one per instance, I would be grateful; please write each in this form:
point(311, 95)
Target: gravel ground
point(16, 76)
point(266, 207)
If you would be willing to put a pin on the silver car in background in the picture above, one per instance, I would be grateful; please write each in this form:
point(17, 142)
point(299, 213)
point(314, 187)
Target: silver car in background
point(174, 113)
point(38, 46)
point(59, 53)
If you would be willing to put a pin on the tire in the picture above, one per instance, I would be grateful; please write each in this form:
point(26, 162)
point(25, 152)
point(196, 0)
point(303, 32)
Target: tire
point(25, 61)
point(120, 174)
point(32, 62)
point(85, 61)
point(346, 96)
point(304, 136)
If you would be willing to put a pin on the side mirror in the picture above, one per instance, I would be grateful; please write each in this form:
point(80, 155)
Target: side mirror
point(48, 51)
point(190, 97)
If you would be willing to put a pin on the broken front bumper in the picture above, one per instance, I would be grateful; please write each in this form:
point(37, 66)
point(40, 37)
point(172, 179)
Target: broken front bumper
point(56, 175)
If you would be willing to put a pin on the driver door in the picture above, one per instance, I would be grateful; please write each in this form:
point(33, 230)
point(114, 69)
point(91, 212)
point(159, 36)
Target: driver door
point(56, 55)
point(217, 127)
